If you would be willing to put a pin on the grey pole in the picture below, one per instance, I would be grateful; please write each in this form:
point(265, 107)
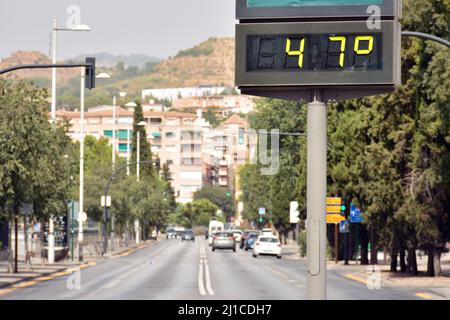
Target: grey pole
point(316, 199)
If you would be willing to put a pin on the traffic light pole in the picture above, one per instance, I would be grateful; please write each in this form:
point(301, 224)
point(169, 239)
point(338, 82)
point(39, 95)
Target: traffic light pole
point(316, 199)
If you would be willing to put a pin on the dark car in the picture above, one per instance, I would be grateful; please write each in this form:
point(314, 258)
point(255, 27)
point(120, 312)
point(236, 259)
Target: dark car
point(188, 235)
point(171, 234)
point(250, 241)
point(245, 237)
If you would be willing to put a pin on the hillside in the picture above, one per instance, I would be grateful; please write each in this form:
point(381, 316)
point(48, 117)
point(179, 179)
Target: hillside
point(42, 76)
point(209, 63)
point(108, 60)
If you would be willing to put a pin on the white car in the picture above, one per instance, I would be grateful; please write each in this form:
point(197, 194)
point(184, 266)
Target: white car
point(267, 232)
point(237, 235)
point(267, 245)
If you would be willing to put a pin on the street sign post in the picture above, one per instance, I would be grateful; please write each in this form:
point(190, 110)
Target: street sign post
point(317, 51)
point(344, 226)
point(356, 215)
point(262, 211)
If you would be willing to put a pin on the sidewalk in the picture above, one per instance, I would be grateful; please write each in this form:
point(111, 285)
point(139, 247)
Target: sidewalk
point(431, 287)
point(41, 272)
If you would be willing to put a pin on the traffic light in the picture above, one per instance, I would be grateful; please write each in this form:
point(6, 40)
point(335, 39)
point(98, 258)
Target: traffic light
point(241, 136)
point(90, 73)
point(261, 219)
point(228, 194)
point(343, 208)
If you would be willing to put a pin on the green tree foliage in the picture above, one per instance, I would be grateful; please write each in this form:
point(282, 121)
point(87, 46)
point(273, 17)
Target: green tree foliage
point(33, 163)
point(198, 213)
point(145, 148)
point(217, 196)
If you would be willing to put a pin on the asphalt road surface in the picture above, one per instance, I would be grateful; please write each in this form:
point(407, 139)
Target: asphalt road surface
point(175, 270)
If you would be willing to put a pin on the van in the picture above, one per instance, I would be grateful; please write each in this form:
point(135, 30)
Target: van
point(214, 226)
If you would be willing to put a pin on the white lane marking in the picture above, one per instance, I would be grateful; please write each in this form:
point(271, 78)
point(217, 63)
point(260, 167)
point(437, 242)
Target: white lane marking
point(201, 286)
point(204, 269)
point(208, 279)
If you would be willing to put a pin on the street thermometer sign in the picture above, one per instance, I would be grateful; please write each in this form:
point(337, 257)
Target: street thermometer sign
point(289, 49)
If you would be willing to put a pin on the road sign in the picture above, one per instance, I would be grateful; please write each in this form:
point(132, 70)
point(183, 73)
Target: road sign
point(334, 209)
point(334, 201)
point(356, 215)
point(334, 218)
point(262, 211)
point(344, 226)
point(294, 218)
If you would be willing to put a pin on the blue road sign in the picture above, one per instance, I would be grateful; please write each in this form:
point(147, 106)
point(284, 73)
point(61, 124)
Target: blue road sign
point(344, 226)
point(356, 215)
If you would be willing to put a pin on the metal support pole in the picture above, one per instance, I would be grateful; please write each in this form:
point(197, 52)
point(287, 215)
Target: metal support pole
point(16, 243)
point(336, 243)
point(114, 135)
point(81, 209)
point(316, 199)
point(51, 242)
point(128, 152)
point(54, 32)
point(136, 222)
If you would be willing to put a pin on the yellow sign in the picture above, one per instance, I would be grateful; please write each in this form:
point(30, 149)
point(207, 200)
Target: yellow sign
point(334, 201)
point(334, 218)
point(334, 209)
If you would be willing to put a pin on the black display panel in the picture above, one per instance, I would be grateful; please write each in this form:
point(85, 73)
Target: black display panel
point(314, 52)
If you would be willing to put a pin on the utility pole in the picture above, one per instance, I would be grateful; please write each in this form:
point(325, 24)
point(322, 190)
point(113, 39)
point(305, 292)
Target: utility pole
point(138, 152)
point(81, 205)
point(316, 198)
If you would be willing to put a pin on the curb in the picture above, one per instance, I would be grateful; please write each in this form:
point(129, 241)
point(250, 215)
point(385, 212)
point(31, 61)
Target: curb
point(9, 287)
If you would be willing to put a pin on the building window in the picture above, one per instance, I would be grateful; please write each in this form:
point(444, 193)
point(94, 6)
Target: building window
point(123, 148)
point(170, 134)
point(155, 121)
point(108, 133)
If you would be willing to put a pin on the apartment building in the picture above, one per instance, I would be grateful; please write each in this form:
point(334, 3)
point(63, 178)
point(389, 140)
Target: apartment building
point(177, 93)
point(220, 104)
point(176, 139)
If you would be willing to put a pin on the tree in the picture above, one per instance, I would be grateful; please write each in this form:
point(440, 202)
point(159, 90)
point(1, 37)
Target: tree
point(217, 196)
point(33, 168)
point(145, 152)
point(199, 213)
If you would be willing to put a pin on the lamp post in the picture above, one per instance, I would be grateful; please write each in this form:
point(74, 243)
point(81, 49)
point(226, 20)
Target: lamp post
point(138, 158)
point(55, 29)
point(129, 105)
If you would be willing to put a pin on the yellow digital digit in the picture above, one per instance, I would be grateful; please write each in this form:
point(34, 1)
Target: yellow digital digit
point(363, 38)
point(343, 41)
point(298, 53)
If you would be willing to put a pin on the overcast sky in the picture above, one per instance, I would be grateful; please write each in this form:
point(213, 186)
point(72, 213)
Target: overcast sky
point(158, 28)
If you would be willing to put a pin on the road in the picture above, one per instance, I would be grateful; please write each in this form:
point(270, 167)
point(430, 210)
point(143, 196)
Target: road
point(175, 270)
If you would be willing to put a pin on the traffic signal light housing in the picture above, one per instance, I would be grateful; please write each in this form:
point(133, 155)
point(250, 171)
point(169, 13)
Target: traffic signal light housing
point(90, 73)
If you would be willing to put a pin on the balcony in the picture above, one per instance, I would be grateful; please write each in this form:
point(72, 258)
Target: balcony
point(223, 173)
point(223, 183)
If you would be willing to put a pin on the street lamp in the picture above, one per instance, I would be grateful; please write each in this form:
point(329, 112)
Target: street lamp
point(138, 158)
point(55, 29)
point(51, 236)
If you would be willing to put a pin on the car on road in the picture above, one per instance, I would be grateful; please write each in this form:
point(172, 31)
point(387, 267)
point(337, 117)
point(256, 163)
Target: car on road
point(237, 235)
point(188, 235)
point(267, 245)
point(250, 241)
point(246, 235)
point(267, 231)
point(171, 234)
point(223, 240)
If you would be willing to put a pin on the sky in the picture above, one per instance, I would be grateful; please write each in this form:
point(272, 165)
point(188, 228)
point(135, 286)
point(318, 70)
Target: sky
point(158, 28)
